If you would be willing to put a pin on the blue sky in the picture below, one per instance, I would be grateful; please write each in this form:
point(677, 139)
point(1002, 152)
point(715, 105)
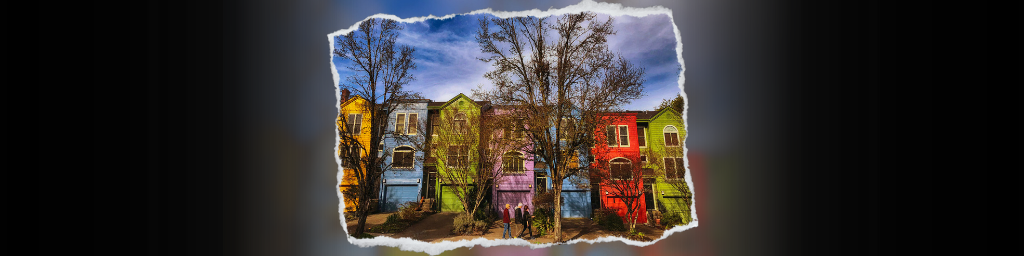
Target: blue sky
point(447, 64)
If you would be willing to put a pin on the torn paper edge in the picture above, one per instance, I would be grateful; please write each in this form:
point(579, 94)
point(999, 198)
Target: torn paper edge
point(435, 248)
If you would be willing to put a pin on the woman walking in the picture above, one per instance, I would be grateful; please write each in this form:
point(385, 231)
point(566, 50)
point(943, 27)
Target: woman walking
point(527, 221)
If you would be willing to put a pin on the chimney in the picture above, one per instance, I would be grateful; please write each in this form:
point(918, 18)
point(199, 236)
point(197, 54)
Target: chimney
point(344, 95)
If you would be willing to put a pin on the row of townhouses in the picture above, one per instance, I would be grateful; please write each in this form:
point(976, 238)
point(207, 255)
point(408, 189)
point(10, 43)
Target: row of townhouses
point(626, 144)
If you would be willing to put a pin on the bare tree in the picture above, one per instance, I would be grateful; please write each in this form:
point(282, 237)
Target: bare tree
point(469, 147)
point(670, 164)
point(560, 84)
point(381, 71)
point(620, 173)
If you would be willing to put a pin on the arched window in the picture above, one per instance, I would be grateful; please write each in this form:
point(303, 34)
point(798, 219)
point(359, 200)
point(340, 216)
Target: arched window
point(621, 168)
point(512, 162)
point(460, 123)
point(403, 157)
point(671, 136)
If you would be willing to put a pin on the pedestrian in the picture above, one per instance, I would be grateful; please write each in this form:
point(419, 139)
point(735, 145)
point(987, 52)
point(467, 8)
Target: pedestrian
point(519, 218)
point(505, 219)
point(527, 221)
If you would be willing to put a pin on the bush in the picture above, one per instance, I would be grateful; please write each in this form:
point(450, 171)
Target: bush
point(394, 224)
point(407, 211)
point(464, 224)
point(671, 219)
point(543, 221)
point(609, 220)
point(637, 235)
point(485, 214)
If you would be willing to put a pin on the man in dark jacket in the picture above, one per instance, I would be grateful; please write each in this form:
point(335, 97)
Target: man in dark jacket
point(519, 218)
point(505, 219)
point(527, 220)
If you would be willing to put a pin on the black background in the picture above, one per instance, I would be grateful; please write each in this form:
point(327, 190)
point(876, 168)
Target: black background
point(236, 116)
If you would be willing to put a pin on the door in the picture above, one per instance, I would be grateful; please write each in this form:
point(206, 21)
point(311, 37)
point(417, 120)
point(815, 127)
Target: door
point(396, 195)
point(449, 201)
point(576, 204)
point(513, 198)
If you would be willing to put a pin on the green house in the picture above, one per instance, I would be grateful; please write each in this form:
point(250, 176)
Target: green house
point(664, 132)
point(454, 139)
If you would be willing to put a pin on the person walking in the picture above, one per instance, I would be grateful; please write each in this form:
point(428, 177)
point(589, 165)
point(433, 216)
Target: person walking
point(505, 219)
point(527, 220)
point(519, 218)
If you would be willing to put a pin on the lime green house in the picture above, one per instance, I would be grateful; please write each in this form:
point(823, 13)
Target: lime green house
point(663, 150)
point(454, 140)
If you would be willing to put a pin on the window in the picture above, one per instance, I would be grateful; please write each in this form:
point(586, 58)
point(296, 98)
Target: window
point(674, 168)
point(512, 162)
point(621, 169)
point(435, 126)
point(671, 136)
point(641, 136)
point(458, 156)
point(566, 128)
point(643, 159)
point(460, 123)
point(354, 154)
point(623, 135)
point(400, 124)
point(413, 123)
point(541, 183)
point(610, 136)
point(403, 157)
point(354, 123)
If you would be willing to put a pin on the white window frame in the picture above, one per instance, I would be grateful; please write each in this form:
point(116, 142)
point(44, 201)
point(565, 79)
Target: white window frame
point(675, 166)
point(465, 125)
point(522, 160)
point(664, 131)
point(612, 173)
point(400, 123)
point(409, 128)
point(411, 151)
point(646, 134)
point(619, 137)
point(354, 118)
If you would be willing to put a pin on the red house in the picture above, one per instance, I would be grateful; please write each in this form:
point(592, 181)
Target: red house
point(616, 169)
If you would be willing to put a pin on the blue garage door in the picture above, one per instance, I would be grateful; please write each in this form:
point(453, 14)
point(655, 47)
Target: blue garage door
point(513, 198)
point(576, 205)
point(395, 195)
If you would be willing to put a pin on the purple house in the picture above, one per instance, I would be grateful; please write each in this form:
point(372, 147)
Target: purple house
point(516, 184)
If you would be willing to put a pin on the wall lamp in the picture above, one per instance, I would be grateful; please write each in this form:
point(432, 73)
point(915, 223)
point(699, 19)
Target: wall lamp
point(385, 180)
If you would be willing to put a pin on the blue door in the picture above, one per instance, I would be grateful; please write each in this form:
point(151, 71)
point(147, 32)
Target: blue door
point(576, 204)
point(396, 195)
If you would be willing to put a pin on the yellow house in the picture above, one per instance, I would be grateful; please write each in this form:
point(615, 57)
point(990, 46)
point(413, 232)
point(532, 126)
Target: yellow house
point(357, 120)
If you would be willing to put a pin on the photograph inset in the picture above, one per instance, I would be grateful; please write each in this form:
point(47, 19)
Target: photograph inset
point(541, 129)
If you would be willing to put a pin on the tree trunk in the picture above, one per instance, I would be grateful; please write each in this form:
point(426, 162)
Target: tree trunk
point(558, 211)
point(362, 223)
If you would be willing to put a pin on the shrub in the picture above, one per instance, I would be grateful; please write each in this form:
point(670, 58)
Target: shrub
point(485, 214)
point(637, 235)
point(671, 219)
point(543, 221)
point(392, 225)
point(609, 220)
point(407, 211)
point(463, 224)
